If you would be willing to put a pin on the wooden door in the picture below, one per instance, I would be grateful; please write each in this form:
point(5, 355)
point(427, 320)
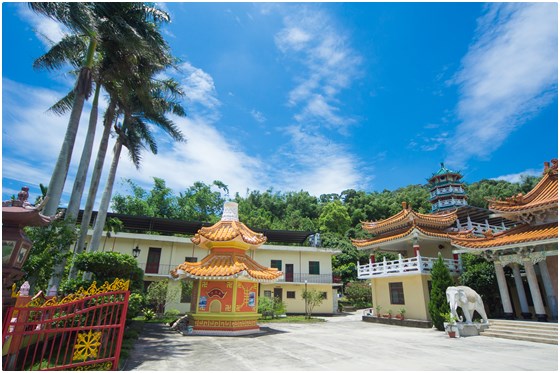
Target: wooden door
point(152, 266)
point(289, 275)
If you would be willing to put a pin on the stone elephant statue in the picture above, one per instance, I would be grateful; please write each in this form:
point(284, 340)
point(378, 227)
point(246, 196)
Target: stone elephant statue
point(468, 300)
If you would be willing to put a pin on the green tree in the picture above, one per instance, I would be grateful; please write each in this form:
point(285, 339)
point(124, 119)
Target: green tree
point(441, 280)
point(359, 293)
point(334, 218)
point(312, 299)
point(480, 275)
point(158, 295)
point(266, 307)
point(49, 248)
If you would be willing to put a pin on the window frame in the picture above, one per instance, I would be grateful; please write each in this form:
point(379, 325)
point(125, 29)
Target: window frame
point(278, 263)
point(312, 267)
point(396, 293)
point(290, 294)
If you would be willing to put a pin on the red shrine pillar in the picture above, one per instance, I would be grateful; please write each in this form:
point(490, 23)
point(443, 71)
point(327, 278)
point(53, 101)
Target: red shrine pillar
point(416, 248)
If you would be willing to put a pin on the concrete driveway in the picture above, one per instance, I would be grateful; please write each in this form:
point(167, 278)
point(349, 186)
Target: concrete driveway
point(342, 343)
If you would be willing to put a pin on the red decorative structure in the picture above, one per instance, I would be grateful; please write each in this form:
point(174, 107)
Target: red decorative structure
point(17, 214)
point(226, 287)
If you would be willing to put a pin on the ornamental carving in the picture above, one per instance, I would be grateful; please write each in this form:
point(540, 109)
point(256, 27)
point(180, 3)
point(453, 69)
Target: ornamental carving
point(117, 285)
point(87, 345)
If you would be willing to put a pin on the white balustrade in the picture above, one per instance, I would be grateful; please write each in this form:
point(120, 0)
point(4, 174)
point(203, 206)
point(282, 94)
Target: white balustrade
point(417, 264)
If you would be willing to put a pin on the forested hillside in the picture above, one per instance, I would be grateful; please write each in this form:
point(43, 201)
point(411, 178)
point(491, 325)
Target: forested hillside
point(336, 216)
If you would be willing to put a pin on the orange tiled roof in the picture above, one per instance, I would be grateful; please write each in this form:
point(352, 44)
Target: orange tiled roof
point(521, 234)
point(407, 218)
point(431, 232)
point(224, 264)
point(543, 195)
point(228, 230)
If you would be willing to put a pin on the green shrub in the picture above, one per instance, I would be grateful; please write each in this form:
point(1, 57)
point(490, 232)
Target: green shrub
point(136, 302)
point(266, 307)
point(148, 313)
point(172, 313)
point(441, 280)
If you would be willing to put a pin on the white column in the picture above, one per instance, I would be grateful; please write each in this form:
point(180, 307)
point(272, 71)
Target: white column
point(520, 291)
point(547, 282)
point(502, 285)
point(535, 292)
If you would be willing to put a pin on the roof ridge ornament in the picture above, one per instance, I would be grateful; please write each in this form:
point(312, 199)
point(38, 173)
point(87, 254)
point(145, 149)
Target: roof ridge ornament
point(231, 212)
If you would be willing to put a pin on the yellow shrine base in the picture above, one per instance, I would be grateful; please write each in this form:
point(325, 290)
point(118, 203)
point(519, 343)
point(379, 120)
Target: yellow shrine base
point(223, 324)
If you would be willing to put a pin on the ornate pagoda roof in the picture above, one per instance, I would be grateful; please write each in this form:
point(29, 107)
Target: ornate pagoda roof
point(443, 171)
point(543, 196)
point(522, 234)
point(228, 230)
point(400, 234)
point(407, 218)
point(224, 263)
point(20, 213)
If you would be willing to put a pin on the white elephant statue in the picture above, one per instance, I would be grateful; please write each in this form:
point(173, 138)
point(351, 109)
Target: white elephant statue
point(468, 300)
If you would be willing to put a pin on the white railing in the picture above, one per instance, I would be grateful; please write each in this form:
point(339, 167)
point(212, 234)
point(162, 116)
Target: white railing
point(418, 264)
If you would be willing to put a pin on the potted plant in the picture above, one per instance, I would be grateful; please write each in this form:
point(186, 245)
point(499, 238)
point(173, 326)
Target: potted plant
point(450, 324)
point(402, 311)
point(378, 310)
point(390, 313)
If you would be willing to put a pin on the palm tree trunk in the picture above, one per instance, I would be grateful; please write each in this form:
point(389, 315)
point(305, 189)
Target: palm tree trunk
point(105, 200)
point(81, 175)
point(58, 178)
point(79, 182)
point(94, 184)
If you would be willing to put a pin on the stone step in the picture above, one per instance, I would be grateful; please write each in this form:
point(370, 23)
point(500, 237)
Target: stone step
point(553, 341)
point(524, 324)
point(531, 331)
point(524, 332)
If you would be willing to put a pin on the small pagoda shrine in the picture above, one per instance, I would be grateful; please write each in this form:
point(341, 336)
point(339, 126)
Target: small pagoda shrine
point(446, 190)
point(226, 281)
point(16, 246)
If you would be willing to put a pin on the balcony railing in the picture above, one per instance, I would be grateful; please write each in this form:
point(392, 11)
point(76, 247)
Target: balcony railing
point(418, 264)
point(161, 269)
point(311, 279)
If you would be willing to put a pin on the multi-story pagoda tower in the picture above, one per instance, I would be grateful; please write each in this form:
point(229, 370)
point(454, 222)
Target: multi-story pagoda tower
point(446, 190)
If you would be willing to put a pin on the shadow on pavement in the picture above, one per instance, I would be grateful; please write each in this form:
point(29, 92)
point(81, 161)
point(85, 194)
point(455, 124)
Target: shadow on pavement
point(157, 342)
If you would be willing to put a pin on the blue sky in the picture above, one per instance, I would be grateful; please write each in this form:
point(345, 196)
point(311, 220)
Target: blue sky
point(320, 97)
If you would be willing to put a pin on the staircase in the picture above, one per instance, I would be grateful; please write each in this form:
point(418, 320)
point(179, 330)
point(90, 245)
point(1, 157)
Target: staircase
point(531, 331)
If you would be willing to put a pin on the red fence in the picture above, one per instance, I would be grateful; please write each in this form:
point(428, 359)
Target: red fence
point(83, 331)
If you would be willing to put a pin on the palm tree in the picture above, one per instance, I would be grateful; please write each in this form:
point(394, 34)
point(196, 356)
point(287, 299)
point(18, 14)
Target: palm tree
point(122, 29)
point(80, 18)
point(148, 103)
point(109, 25)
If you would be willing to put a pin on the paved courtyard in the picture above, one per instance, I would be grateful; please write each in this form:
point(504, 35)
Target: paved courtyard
point(342, 343)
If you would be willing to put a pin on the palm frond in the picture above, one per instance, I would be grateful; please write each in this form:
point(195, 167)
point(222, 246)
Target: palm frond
point(71, 49)
point(64, 105)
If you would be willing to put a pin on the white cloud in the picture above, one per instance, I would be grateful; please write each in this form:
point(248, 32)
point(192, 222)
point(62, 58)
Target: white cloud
point(516, 178)
point(47, 29)
point(508, 75)
point(200, 90)
point(258, 116)
point(329, 65)
point(314, 163)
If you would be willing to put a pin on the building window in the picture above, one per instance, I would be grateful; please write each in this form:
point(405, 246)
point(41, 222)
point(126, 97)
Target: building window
point(268, 293)
point(396, 292)
point(291, 294)
point(276, 264)
point(191, 259)
point(314, 268)
point(324, 295)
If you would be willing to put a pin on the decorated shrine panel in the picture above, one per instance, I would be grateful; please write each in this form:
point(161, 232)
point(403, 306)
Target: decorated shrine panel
point(215, 296)
point(247, 293)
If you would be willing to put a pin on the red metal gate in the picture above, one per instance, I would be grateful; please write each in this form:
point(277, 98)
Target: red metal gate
point(83, 331)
